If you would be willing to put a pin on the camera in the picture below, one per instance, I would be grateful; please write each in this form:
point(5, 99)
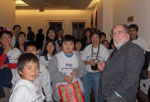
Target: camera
point(94, 67)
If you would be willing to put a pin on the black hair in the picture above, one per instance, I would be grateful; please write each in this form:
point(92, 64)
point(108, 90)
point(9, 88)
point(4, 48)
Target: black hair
point(59, 29)
point(68, 38)
point(30, 44)
point(40, 31)
point(104, 34)
point(15, 26)
point(45, 50)
point(17, 45)
point(24, 59)
point(47, 37)
point(29, 28)
point(5, 32)
point(96, 32)
point(86, 30)
point(78, 40)
point(134, 26)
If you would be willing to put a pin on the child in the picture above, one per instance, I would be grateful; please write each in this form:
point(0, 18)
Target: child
point(25, 90)
point(49, 51)
point(79, 47)
point(65, 66)
point(8, 63)
point(43, 81)
point(20, 41)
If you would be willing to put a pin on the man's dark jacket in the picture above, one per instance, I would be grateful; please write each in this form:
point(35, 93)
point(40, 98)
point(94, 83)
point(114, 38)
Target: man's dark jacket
point(122, 70)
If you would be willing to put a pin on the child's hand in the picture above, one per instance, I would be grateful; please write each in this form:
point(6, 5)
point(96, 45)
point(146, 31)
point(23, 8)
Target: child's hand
point(3, 66)
point(68, 79)
point(74, 73)
point(101, 66)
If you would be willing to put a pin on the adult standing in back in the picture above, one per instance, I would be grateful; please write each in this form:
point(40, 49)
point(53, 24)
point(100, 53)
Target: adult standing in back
point(30, 35)
point(40, 38)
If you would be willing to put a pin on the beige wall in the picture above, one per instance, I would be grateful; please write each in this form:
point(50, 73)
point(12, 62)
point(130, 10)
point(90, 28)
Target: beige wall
point(105, 16)
point(7, 13)
point(112, 12)
point(140, 9)
point(37, 19)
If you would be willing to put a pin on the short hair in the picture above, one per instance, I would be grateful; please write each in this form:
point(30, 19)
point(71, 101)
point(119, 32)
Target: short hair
point(24, 59)
point(30, 44)
point(126, 28)
point(15, 26)
point(104, 34)
point(5, 32)
point(59, 29)
point(68, 38)
point(96, 32)
point(40, 30)
point(134, 26)
point(29, 28)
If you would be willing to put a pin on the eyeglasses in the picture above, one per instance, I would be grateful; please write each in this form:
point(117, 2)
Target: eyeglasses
point(119, 32)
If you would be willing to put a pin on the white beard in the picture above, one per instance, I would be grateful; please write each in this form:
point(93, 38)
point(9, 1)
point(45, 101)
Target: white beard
point(120, 44)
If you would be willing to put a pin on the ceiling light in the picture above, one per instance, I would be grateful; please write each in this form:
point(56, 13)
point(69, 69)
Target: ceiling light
point(21, 3)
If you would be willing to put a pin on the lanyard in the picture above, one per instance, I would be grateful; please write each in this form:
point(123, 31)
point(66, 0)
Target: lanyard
point(97, 52)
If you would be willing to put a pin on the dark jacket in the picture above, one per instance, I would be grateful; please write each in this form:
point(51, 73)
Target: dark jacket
point(5, 76)
point(121, 73)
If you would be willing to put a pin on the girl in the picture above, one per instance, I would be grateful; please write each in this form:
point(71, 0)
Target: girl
point(51, 34)
point(20, 41)
point(79, 47)
point(87, 34)
point(49, 51)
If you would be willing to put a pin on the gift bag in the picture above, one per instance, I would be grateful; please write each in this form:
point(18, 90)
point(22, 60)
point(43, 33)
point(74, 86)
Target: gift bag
point(71, 92)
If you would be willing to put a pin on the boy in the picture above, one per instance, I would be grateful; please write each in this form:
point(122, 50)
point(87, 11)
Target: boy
point(8, 60)
point(43, 81)
point(65, 66)
point(25, 90)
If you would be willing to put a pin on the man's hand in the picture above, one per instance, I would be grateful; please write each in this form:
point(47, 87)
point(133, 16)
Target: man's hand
point(92, 63)
point(101, 66)
point(68, 79)
point(74, 73)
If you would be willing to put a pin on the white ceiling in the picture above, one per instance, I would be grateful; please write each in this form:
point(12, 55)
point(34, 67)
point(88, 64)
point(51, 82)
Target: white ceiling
point(55, 4)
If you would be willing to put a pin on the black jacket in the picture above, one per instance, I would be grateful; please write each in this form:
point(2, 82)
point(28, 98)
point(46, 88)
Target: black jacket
point(121, 73)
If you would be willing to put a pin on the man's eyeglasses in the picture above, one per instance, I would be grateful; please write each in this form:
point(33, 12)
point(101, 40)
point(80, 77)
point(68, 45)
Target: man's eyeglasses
point(119, 32)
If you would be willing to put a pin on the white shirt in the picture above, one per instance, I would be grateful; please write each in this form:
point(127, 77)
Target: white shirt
point(79, 53)
point(87, 55)
point(67, 64)
point(44, 61)
point(144, 84)
point(142, 43)
point(13, 56)
point(26, 91)
point(42, 82)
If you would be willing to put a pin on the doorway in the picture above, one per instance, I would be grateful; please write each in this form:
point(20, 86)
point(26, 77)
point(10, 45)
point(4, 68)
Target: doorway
point(77, 29)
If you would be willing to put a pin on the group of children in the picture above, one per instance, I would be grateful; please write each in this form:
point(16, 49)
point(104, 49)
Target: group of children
point(29, 77)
